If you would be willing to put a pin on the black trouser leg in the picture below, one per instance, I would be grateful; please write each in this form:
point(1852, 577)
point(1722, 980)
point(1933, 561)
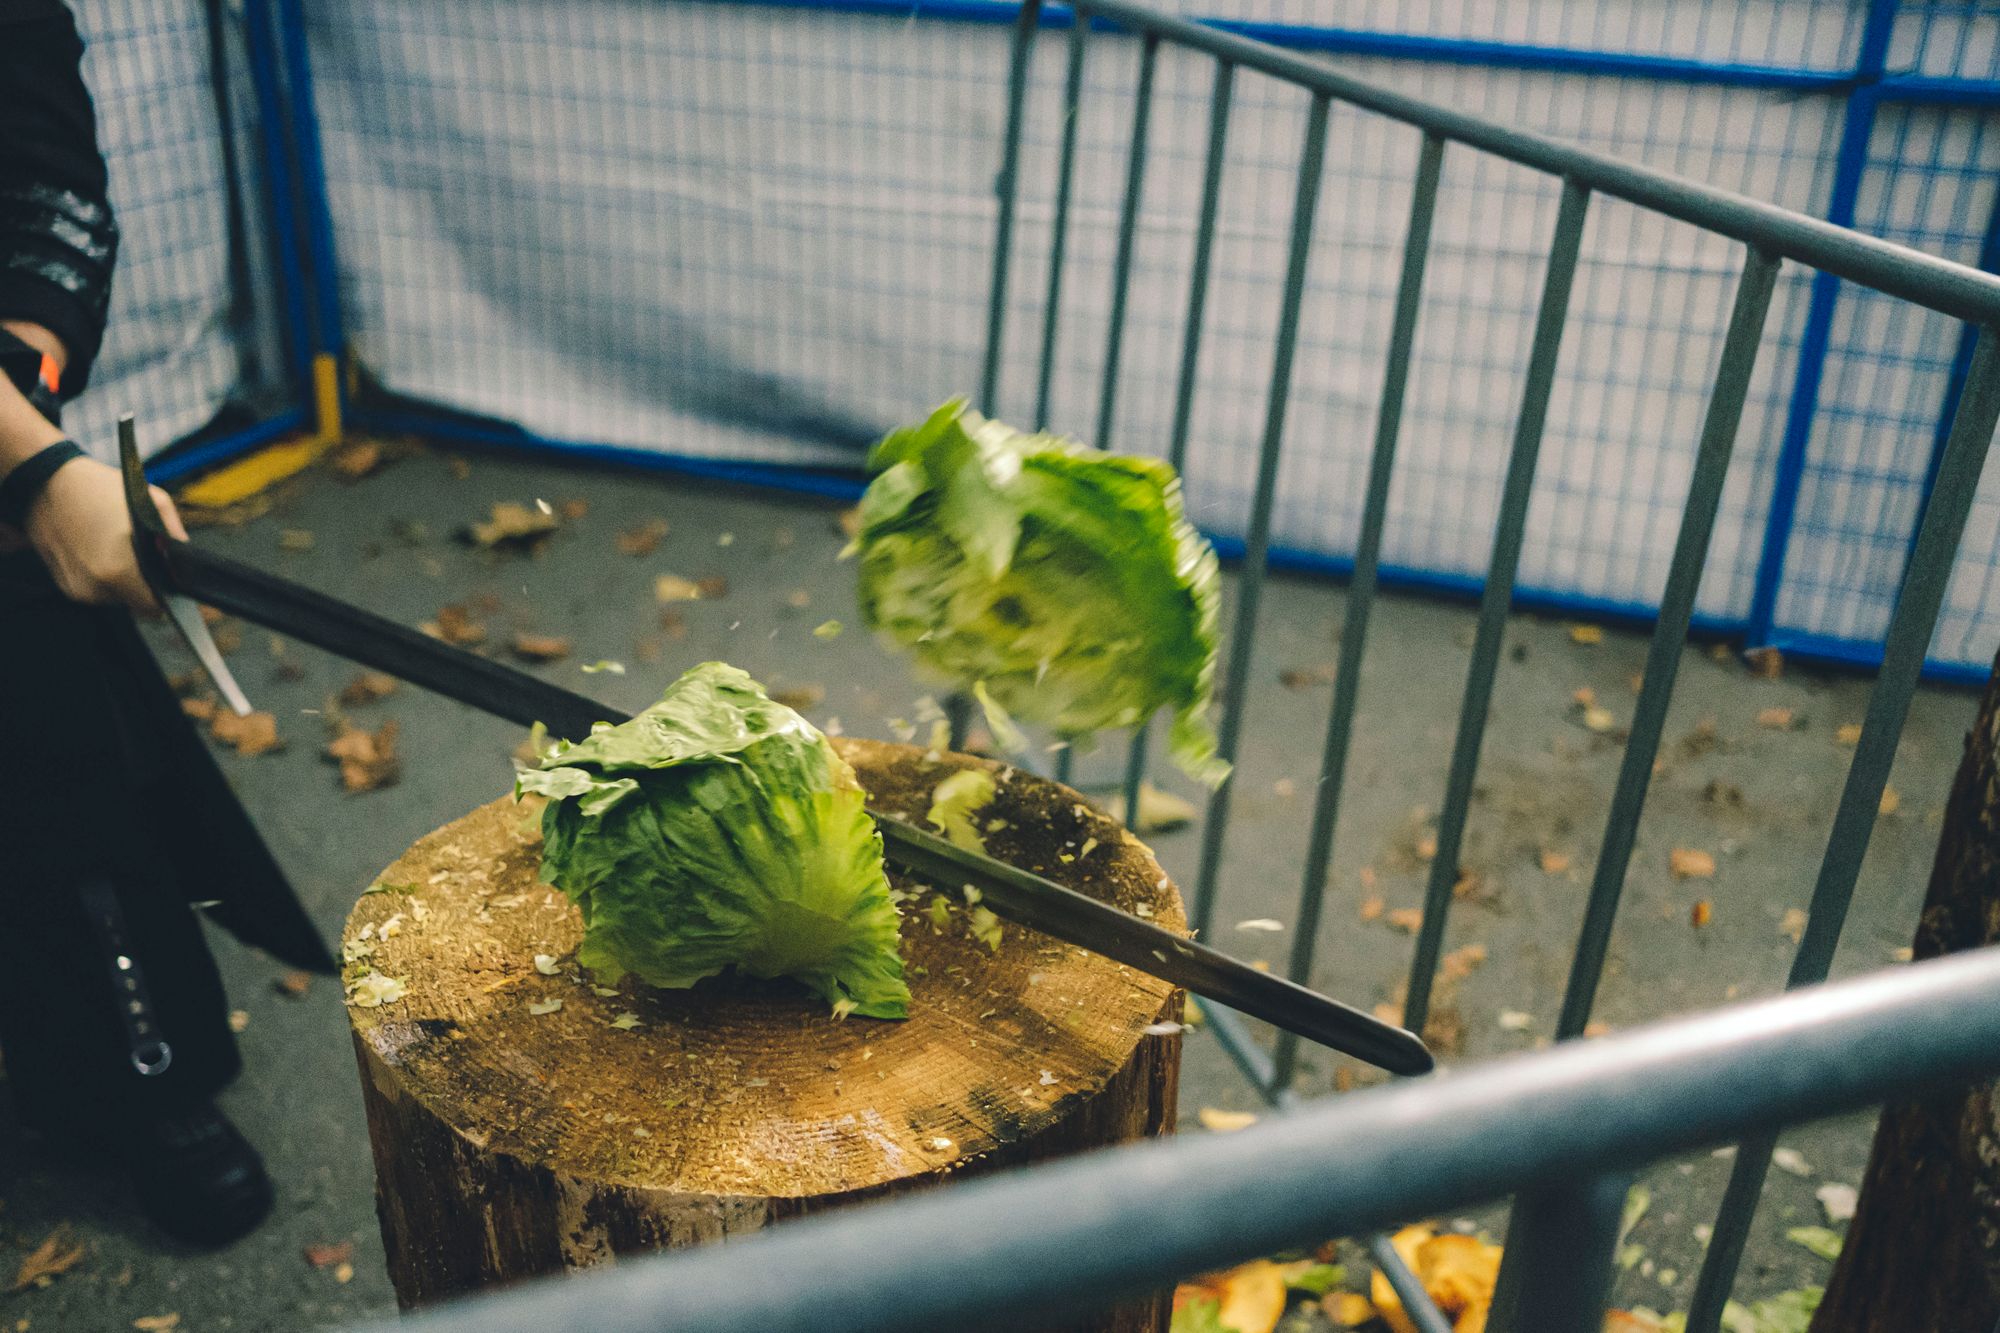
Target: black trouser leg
point(88, 775)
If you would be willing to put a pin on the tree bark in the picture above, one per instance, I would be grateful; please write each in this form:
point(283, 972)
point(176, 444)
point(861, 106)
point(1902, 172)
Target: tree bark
point(1923, 1251)
point(510, 1143)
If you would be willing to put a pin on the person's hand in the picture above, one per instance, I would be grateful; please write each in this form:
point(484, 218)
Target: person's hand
point(80, 528)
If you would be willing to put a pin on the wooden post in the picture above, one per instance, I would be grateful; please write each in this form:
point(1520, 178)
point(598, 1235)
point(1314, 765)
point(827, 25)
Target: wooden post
point(1923, 1251)
point(510, 1142)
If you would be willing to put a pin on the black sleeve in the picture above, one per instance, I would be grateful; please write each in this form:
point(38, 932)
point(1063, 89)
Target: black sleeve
point(58, 239)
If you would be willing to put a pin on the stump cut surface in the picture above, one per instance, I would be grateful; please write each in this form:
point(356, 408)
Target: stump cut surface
point(744, 1088)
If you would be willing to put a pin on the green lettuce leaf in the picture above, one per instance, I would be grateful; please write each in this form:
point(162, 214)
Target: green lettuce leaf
point(719, 829)
point(1062, 584)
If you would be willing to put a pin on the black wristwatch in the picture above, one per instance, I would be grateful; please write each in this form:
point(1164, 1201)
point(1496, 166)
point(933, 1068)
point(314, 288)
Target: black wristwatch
point(34, 373)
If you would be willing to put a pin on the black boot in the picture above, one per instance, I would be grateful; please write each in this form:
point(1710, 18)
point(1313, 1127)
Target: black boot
point(198, 1179)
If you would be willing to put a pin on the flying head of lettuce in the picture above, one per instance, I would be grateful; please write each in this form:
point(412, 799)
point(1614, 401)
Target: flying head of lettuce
point(719, 829)
point(1061, 584)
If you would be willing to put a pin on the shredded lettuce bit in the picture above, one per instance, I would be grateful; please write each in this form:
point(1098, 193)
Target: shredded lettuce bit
point(719, 829)
point(1061, 585)
point(956, 800)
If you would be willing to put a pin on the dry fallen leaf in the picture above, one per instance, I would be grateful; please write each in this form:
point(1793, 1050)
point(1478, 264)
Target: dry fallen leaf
point(1553, 862)
point(1700, 913)
point(1159, 810)
point(643, 539)
point(1407, 919)
point(158, 1323)
point(59, 1252)
point(1775, 718)
point(573, 509)
point(367, 687)
point(239, 1020)
point(712, 587)
point(1427, 846)
point(1793, 927)
point(513, 525)
point(355, 461)
point(294, 984)
point(1225, 1122)
point(455, 625)
point(1598, 719)
point(674, 588)
point(1768, 663)
point(1891, 802)
point(328, 1254)
point(1461, 963)
point(800, 697)
point(367, 759)
point(1690, 863)
point(1586, 634)
point(296, 540)
point(252, 735)
point(1371, 907)
point(540, 647)
point(201, 710)
point(459, 467)
point(1347, 1309)
point(848, 521)
point(1306, 678)
point(343, 1273)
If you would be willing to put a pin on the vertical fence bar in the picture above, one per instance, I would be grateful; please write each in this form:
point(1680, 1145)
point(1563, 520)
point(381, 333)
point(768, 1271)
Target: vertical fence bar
point(1555, 1276)
point(1507, 533)
point(1007, 185)
point(1250, 582)
point(1204, 247)
point(1361, 588)
point(1418, 1306)
point(1128, 226)
point(1649, 715)
point(1079, 35)
point(1908, 639)
point(1121, 282)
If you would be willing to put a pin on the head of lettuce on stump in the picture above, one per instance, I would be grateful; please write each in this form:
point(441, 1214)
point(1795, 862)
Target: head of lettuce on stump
point(1061, 584)
point(719, 829)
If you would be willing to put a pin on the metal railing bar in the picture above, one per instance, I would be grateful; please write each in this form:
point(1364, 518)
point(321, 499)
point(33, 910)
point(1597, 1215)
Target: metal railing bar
point(1007, 185)
point(1418, 1307)
point(1059, 228)
point(1204, 246)
point(1128, 225)
point(1555, 1276)
point(1649, 715)
point(1098, 1226)
point(1515, 494)
point(1940, 284)
point(1910, 629)
point(1361, 588)
point(1257, 541)
point(1230, 1033)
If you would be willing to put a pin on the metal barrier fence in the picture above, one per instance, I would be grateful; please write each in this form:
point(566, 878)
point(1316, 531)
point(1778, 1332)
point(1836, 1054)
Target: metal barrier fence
point(1069, 1236)
point(1770, 237)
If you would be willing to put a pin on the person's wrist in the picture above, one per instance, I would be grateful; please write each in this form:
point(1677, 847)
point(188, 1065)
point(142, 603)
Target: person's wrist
point(26, 483)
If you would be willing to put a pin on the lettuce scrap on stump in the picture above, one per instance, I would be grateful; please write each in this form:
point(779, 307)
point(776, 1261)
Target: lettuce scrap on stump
point(719, 829)
point(1061, 584)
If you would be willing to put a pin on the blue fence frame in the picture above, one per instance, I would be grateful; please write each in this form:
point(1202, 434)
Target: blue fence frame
point(309, 286)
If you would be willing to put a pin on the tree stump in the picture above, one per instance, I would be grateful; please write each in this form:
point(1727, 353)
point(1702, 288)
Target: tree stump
point(510, 1142)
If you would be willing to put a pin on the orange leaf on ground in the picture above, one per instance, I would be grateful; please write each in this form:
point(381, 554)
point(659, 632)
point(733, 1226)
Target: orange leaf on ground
point(1775, 719)
point(252, 735)
point(1553, 862)
point(1371, 907)
point(294, 984)
point(355, 461)
point(643, 539)
point(1700, 914)
point(366, 688)
point(59, 1252)
point(327, 1255)
point(455, 625)
point(367, 759)
point(1691, 863)
point(1407, 919)
point(540, 647)
point(1766, 662)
